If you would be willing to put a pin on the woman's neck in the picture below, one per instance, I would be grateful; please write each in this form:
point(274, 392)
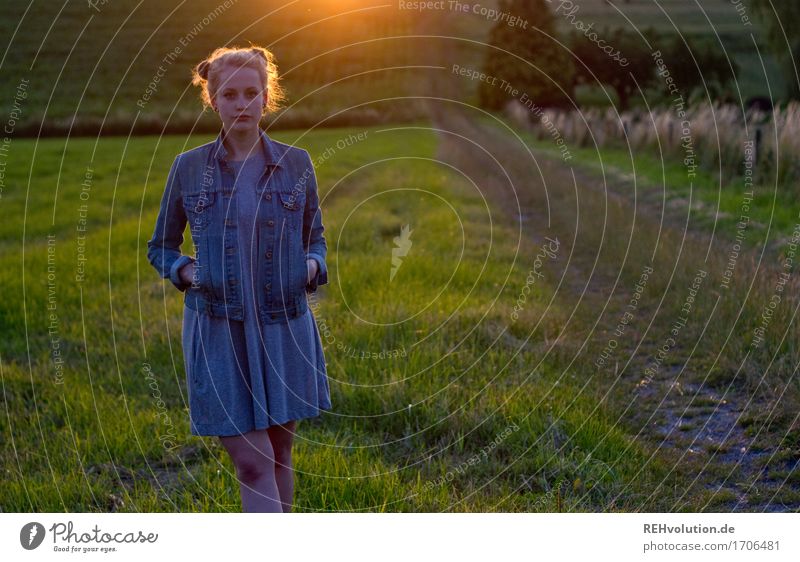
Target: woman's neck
point(240, 144)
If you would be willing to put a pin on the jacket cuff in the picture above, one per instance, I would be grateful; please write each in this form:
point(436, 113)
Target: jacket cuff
point(321, 278)
point(176, 267)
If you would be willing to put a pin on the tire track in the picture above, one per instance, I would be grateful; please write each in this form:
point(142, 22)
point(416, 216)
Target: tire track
point(675, 415)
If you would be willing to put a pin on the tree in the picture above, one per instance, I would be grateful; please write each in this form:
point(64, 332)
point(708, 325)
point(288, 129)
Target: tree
point(531, 44)
point(783, 40)
point(620, 61)
point(711, 66)
point(689, 64)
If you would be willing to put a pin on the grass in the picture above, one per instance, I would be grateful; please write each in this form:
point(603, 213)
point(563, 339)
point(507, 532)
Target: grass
point(714, 352)
point(614, 171)
point(712, 201)
point(110, 438)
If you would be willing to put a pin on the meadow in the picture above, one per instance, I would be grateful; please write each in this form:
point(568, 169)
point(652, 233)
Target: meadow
point(107, 429)
point(467, 382)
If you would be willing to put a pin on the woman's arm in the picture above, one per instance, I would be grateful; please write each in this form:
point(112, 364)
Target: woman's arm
point(313, 238)
point(164, 249)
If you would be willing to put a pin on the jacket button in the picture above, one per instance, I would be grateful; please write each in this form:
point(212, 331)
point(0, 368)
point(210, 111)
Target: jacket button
point(230, 251)
point(274, 315)
point(270, 222)
point(268, 286)
point(269, 197)
point(269, 254)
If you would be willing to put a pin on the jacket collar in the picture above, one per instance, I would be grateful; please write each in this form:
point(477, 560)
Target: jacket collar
point(271, 154)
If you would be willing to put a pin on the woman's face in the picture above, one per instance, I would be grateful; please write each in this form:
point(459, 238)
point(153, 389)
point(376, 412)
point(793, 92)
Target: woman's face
point(239, 98)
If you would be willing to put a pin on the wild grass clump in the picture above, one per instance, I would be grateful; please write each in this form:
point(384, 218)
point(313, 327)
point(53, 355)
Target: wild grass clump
point(719, 138)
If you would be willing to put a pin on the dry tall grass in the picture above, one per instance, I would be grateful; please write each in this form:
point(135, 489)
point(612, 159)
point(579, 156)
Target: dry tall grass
point(711, 136)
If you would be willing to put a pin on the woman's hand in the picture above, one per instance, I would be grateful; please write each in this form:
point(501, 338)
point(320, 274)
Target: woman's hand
point(186, 273)
point(312, 266)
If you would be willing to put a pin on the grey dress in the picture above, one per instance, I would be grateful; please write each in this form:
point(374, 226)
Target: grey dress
point(255, 375)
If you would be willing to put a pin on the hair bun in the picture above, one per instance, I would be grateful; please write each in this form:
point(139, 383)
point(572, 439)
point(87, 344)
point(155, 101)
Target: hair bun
point(259, 52)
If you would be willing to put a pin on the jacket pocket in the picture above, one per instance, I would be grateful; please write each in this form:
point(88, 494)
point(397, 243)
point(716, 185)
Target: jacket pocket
point(290, 209)
point(199, 207)
point(292, 200)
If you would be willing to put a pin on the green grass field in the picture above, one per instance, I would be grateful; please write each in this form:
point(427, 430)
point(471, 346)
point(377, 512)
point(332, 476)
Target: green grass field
point(94, 436)
point(716, 204)
point(91, 367)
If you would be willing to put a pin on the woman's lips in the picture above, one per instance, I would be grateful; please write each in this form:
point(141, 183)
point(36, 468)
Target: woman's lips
point(243, 118)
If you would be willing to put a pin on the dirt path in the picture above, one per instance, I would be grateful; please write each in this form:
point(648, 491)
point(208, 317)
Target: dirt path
point(610, 244)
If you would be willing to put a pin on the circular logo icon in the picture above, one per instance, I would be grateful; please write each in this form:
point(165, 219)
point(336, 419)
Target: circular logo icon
point(31, 535)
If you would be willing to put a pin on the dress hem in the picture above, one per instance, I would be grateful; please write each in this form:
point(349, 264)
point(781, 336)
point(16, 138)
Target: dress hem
point(231, 429)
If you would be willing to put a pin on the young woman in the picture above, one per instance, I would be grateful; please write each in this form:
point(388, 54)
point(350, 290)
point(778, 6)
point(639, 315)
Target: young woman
point(253, 355)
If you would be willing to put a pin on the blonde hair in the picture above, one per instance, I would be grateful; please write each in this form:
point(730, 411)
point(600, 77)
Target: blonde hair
point(206, 73)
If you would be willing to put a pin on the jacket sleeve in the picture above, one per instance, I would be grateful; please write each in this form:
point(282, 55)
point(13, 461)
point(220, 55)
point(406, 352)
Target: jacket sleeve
point(313, 238)
point(164, 248)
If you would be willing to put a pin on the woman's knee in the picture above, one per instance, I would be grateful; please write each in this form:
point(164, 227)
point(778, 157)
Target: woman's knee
point(252, 469)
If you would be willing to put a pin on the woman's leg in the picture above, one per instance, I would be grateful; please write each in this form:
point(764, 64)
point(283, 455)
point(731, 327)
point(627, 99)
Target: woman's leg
point(253, 458)
point(281, 437)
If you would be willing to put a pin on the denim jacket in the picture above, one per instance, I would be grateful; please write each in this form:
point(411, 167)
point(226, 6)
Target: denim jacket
point(289, 222)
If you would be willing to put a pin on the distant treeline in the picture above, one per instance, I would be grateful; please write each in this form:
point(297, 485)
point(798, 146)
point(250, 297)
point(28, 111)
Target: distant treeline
point(557, 52)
